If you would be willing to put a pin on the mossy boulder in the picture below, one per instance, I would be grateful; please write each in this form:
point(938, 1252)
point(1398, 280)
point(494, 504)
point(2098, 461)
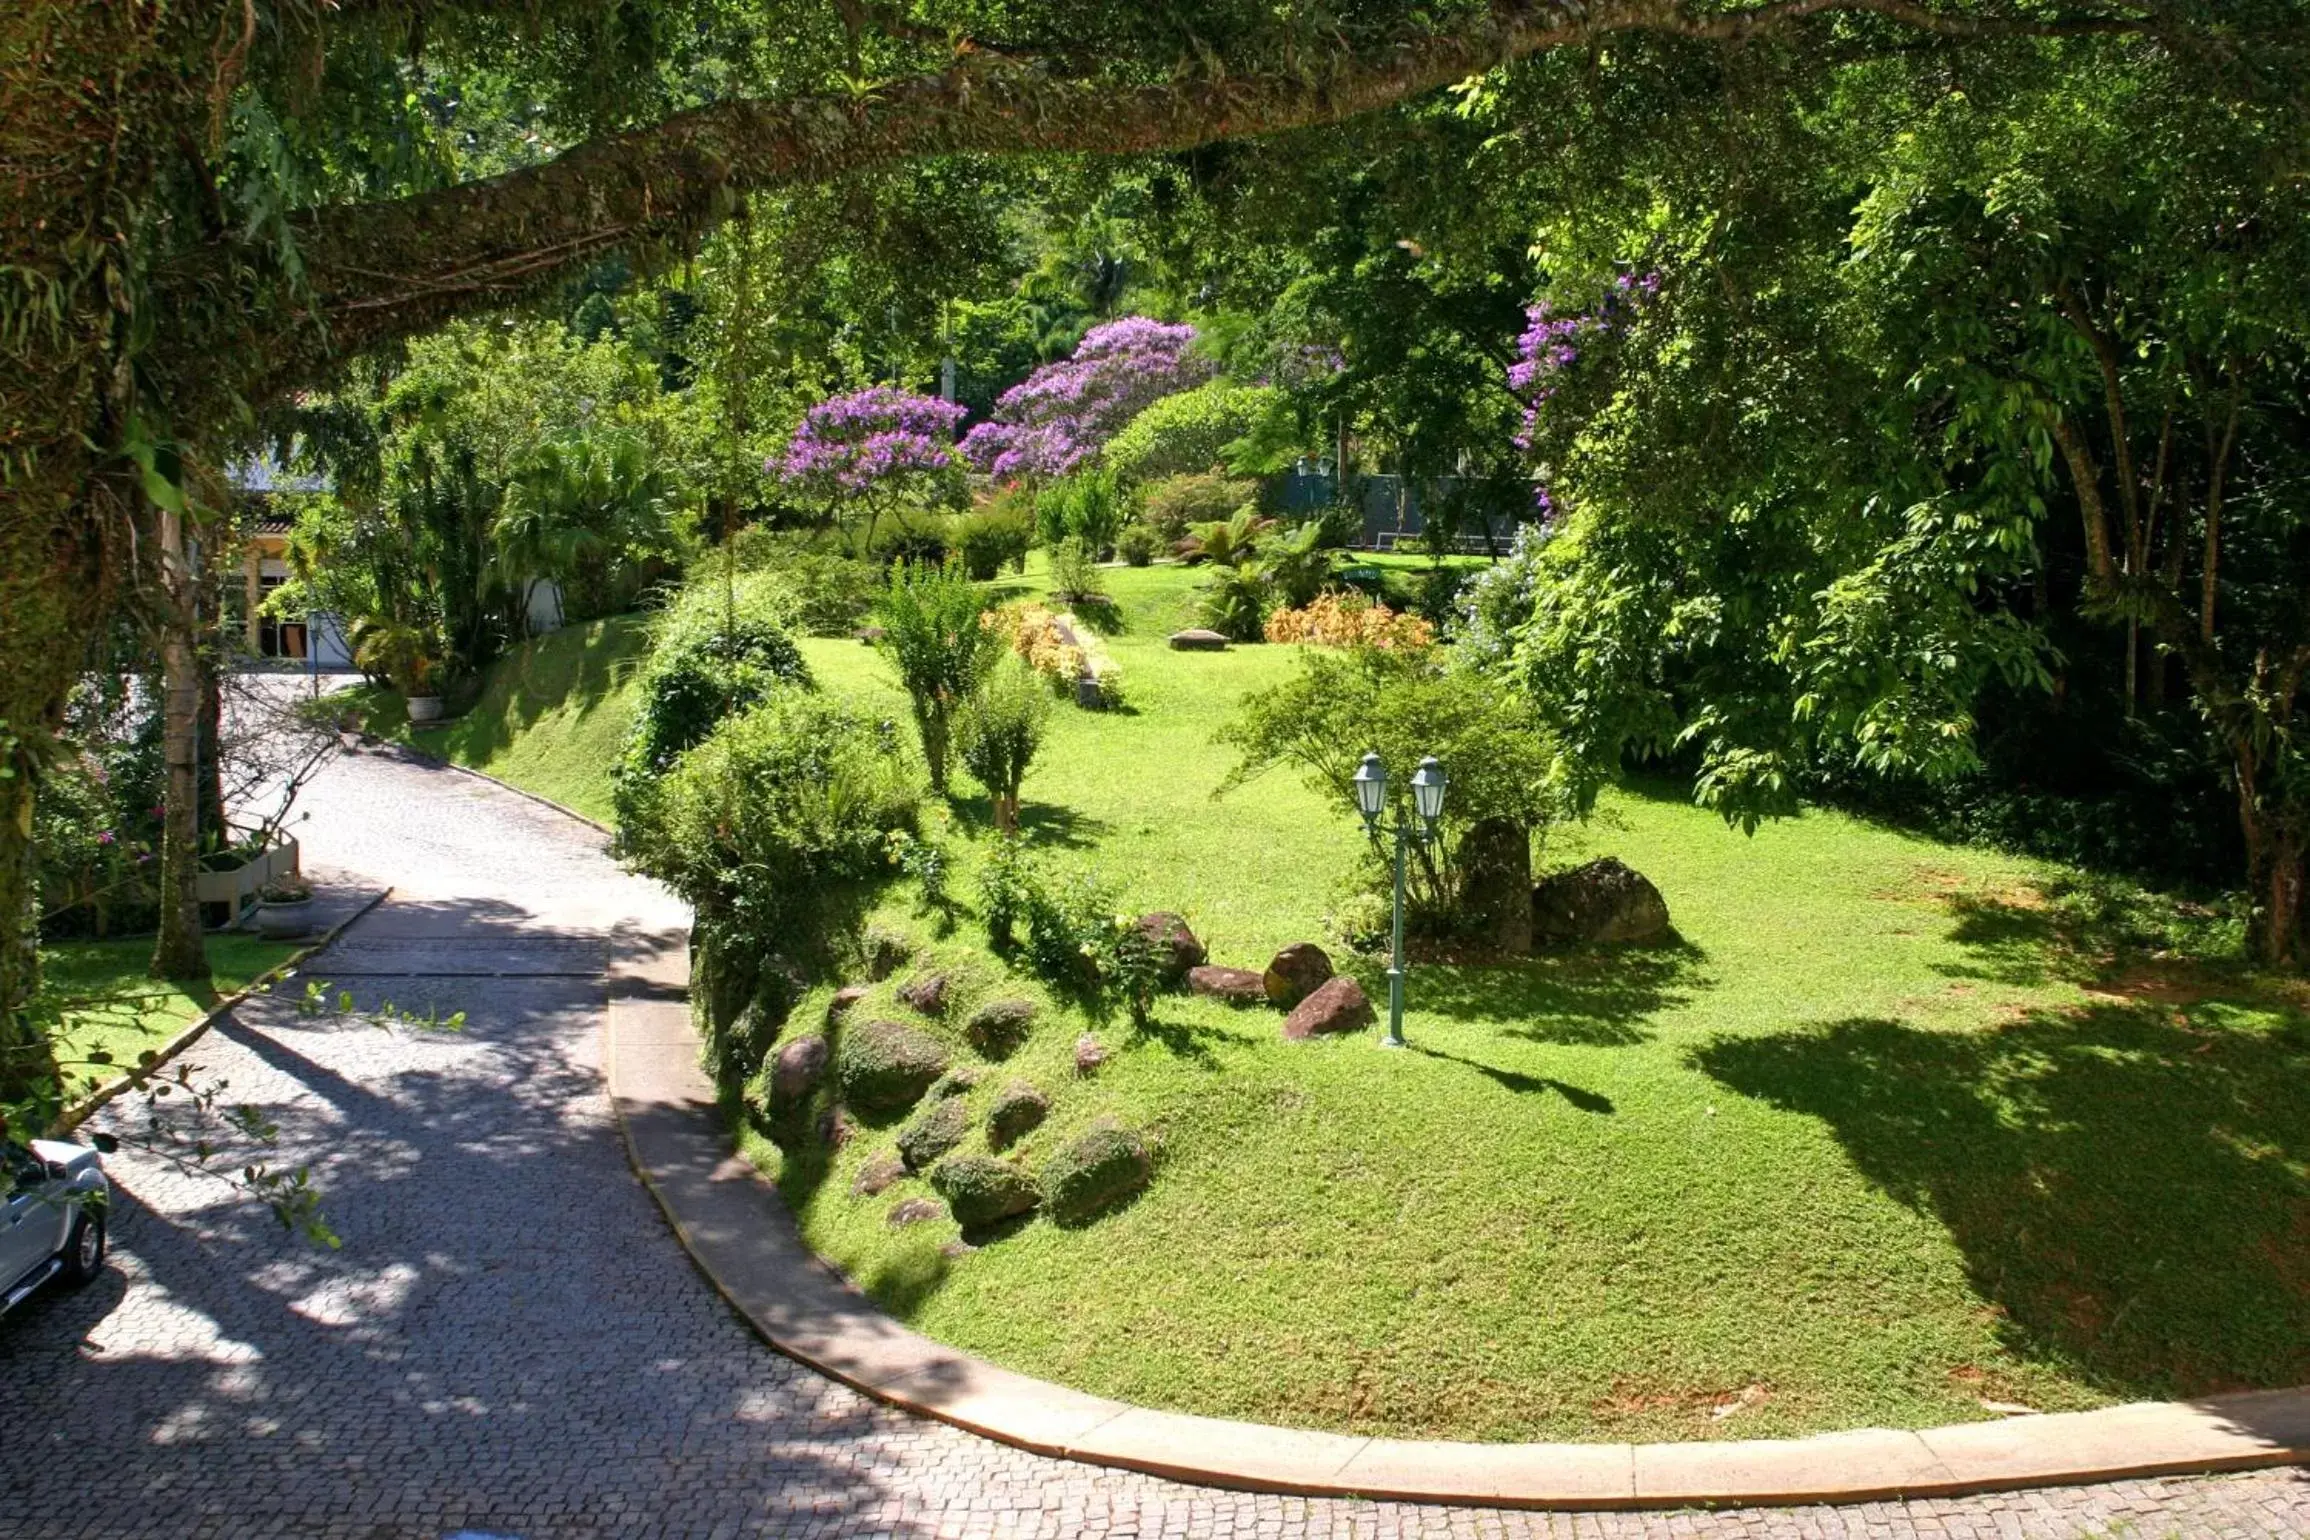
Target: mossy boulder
point(1099, 1169)
point(955, 1082)
point(981, 1190)
point(883, 1066)
point(886, 952)
point(935, 1130)
point(997, 1028)
point(1019, 1110)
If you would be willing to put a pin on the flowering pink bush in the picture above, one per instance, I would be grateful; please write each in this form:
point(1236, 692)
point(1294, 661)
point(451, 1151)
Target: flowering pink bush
point(1057, 419)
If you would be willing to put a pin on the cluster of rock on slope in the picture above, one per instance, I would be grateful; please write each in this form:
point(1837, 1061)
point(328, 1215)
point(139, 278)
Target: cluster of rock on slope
point(885, 1070)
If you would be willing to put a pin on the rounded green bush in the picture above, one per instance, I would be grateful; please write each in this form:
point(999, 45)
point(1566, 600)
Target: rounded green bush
point(1095, 1171)
point(980, 1190)
point(883, 1066)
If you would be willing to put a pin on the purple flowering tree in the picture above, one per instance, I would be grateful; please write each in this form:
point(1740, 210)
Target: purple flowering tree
point(1552, 343)
point(1058, 418)
point(872, 452)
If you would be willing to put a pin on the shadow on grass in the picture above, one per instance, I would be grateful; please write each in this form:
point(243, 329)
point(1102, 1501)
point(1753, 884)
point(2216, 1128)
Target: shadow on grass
point(1525, 1085)
point(1048, 823)
point(544, 675)
point(1592, 999)
point(1187, 1040)
point(2129, 1191)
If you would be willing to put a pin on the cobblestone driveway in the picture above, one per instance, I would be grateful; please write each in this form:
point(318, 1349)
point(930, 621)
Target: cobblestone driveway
point(511, 1342)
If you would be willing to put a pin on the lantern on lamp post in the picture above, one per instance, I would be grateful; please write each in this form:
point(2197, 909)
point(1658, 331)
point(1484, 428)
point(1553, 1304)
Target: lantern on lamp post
point(1371, 792)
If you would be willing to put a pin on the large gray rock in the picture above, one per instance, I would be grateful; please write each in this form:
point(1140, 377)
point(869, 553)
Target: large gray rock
point(1338, 1005)
point(1197, 639)
point(1601, 904)
point(1296, 973)
point(1496, 885)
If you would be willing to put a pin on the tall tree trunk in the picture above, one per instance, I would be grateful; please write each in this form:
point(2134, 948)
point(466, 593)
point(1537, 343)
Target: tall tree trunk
point(2274, 869)
point(52, 596)
point(179, 952)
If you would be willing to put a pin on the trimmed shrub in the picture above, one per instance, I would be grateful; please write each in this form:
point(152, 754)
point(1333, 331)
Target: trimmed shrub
point(1001, 731)
point(981, 1191)
point(1085, 506)
point(997, 1028)
point(1097, 1170)
point(990, 539)
point(883, 1066)
point(1075, 571)
point(1138, 544)
point(939, 649)
point(934, 1132)
point(716, 653)
point(1191, 430)
point(778, 811)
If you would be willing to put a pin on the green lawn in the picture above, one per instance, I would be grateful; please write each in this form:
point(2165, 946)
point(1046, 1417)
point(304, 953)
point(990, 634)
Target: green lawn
point(1898, 1129)
point(110, 1006)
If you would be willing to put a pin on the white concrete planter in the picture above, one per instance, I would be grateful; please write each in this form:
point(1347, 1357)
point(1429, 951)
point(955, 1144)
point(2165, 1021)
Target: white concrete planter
point(237, 887)
point(424, 709)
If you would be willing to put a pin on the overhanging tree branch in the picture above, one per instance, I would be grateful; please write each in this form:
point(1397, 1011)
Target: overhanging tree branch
point(386, 270)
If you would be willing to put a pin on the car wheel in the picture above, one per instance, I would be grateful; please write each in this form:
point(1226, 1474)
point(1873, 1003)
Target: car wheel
point(84, 1249)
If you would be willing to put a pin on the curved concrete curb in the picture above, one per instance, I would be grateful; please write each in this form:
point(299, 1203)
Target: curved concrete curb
point(737, 1229)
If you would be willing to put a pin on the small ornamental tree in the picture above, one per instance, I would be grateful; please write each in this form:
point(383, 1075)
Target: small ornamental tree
point(930, 620)
point(872, 452)
point(1058, 418)
point(1001, 730)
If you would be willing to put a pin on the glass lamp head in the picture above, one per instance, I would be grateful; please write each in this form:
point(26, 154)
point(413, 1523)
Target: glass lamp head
point(1371, 784)
point(1428, 790)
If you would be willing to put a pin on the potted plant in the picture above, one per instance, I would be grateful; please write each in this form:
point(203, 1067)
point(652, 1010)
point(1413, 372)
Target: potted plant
point(285, 908)
point(403, 654)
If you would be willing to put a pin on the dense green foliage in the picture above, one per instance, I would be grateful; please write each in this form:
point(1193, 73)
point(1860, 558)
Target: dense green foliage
point(938, 649)
point(1191, 431)
point(1405, 706)
point(718, 651)
point(1000, 733)
point(779, 815)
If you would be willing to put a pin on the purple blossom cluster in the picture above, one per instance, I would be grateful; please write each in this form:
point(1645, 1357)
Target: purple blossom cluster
point(870, 440)
point(1552, 343)
point(1058, 418)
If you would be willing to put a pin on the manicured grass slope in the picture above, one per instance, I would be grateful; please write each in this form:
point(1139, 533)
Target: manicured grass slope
point(1891, 1134)
point(551, 718)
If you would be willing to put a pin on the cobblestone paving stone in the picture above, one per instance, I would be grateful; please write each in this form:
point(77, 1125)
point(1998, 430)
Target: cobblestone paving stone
point(510, 1341)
